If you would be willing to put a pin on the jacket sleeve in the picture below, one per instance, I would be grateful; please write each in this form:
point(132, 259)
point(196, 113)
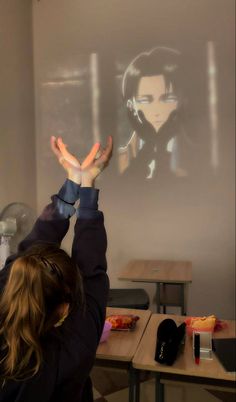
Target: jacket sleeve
point(89, 253)
point(51, 226)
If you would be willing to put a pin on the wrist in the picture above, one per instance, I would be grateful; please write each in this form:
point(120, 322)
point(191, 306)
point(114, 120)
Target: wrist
point(87, 182)
point(75, 178)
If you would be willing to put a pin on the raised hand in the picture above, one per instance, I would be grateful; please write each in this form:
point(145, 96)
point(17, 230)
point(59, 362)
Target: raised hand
point(95, 162)
point(68, 161)
point(92, 165)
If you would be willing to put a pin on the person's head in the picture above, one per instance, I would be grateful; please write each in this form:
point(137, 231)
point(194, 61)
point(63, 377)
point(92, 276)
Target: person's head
point(151, 85)
point(43, 284)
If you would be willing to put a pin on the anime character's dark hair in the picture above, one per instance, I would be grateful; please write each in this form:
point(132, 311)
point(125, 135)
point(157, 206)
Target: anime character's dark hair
point(158, 61)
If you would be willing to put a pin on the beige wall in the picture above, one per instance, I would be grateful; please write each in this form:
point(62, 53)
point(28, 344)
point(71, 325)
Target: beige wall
point(201, 227)
point(63, 29)
point(17, 139)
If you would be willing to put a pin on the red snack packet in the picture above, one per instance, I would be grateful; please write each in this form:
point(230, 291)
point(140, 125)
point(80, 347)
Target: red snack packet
point(122, 321)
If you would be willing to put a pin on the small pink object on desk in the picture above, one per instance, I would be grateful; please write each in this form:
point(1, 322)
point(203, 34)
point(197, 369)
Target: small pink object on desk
point(106, 331)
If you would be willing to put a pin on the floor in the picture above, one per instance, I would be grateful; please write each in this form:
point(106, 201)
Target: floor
point(111, 385)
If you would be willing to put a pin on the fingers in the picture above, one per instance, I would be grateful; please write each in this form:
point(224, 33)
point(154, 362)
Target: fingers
point(108, 149)
point(97, 156)
point(54, 147)
point(106, 153)
point(91, 156)
point(66, 154)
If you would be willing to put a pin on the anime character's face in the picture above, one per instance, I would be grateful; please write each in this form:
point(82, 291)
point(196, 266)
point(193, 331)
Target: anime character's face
point(155, 101)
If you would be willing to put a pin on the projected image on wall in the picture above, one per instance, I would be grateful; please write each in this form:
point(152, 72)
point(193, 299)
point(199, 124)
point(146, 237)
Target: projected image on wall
point(152, 94)
point(170, 100)
point(160, 105)
point(66, 104)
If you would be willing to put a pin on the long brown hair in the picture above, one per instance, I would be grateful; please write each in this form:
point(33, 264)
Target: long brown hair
point(39, 281)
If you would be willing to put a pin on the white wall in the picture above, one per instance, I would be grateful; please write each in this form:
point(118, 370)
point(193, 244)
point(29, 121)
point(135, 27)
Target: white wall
point(17, 139)
point(200, 227)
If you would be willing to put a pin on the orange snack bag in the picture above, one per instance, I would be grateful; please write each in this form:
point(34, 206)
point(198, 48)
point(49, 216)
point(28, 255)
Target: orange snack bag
point(122, 321)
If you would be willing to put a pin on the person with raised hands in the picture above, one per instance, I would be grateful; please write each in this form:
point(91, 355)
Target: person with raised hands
point(52, 305)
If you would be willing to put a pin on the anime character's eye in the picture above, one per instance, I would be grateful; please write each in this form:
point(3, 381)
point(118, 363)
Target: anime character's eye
point(168, 98)
point(144, 100)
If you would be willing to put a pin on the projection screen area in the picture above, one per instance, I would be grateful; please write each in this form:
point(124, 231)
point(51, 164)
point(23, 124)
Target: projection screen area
point(152, 103)
point(166, 97)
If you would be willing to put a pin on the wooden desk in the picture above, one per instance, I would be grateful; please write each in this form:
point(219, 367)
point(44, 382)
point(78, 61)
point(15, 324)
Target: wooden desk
point(160, 272)
point(208, 372)
point(118, 351)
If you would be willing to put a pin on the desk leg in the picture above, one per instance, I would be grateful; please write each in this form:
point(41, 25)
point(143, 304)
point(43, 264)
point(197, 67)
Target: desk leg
point(134, 387)
point(159, 389)
point(158, 296)
point(137, 386)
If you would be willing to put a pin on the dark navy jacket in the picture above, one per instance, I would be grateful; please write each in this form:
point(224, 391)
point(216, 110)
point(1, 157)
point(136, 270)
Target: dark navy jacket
point(69, 351)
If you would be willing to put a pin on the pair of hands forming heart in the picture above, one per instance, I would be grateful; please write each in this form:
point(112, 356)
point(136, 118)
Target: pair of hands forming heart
point(86, 172)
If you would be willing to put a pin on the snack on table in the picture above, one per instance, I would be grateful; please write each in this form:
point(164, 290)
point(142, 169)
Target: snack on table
point(206, 324)
point(122, 321)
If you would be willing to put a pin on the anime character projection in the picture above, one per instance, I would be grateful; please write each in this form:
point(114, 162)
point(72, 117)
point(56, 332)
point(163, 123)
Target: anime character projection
point(152, 94)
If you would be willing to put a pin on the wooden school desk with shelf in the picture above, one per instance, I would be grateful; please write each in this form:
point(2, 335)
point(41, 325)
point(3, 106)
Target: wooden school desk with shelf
point(118, 351)
point(164, 274)
point(209, 373)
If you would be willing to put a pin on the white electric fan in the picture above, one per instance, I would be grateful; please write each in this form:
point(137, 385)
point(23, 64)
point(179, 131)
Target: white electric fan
point(16, 221)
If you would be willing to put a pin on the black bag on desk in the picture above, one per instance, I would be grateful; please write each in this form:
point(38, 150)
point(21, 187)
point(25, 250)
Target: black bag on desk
point(169, 338)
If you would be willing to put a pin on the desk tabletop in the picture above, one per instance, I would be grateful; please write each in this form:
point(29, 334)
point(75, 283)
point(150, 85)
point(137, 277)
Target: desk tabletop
point(184, 365)
point(157, 271)
point(122, 345)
